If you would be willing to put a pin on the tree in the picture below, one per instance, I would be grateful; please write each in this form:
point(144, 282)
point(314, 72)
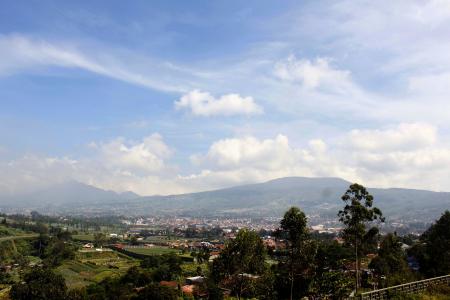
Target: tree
point(355, 216)
point(391, 261)
point(333, 285)
point(156, 292)
point(240, 262)
point(301, 249)
point(99, 239)
point(136, 277)
point(330, 282)
point(40, 284)
point(57, 251)
point(433, 253)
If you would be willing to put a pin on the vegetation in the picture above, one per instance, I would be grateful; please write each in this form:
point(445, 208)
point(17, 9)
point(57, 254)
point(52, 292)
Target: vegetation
point(39, 284)
point(356, 215)
point(241, 262)
point(433, 251)
point(152, 250)
point(45, 261)
point(299, 259)
point(391, 262)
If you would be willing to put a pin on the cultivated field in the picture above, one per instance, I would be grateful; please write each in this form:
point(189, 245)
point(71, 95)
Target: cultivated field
point(151, 250)
point(93, 267)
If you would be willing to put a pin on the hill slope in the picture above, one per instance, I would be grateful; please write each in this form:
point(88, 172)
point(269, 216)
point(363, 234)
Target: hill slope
point(314, 195)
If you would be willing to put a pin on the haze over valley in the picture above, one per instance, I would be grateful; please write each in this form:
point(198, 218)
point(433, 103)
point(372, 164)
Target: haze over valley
point(316, 196)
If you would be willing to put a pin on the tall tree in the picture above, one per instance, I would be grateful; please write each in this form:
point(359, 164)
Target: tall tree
point(356, 215)
point(433, 253)
point(391, 261)
point(241, 261)
point(301, 250)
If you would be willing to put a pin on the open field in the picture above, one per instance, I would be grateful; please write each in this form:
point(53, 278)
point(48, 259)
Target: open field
point(165, 239)
point(152, 250)
point(83, 237)
point(93, 267)
point(17, 237)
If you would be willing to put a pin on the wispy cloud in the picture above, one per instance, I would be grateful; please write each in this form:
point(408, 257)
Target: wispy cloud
point(19, 53)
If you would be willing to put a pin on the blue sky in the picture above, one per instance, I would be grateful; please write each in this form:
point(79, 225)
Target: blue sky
point(164, 97)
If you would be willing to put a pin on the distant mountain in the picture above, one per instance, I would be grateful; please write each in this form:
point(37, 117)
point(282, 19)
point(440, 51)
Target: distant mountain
point(68, 196)
point(320, 196)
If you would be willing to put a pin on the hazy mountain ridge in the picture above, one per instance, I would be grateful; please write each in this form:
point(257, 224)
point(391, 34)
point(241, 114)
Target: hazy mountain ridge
point(272, 198)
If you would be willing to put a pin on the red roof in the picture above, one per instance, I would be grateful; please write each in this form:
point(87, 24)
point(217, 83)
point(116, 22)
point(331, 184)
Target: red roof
point(188, 289)
point(173, 284)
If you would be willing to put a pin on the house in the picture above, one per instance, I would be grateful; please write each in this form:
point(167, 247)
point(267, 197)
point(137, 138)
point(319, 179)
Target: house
point(195, 280)
point(170, 284)
point(188, 289)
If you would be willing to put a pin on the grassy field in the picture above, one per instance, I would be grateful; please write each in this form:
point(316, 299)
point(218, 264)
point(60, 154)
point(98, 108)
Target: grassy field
point(190, 269)
point(152, 250)
point(155, 239)
point(83, 237)
point(93, 267)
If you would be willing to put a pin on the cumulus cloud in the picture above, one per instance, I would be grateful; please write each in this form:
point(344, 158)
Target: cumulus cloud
point(248, 151)
point(147, 155)
point(402, 137)
point(410, 155)
point(118, 164)
point(249, 159)
point(204, 104)
point(313, 74)
point(404, 155)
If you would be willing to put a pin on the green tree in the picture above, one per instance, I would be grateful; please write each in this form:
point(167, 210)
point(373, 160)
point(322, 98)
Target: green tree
point(433, 252)
point(137, 277)
point(40, 284)
point(156, 292)
point(301, 249)
point(58, 251)
point(333, 285)
point(356, 215)
point(99, 239)
point(391, 261)
point(240, 262)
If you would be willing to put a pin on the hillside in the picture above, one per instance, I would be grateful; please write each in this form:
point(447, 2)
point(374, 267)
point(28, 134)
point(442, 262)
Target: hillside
point(272, 198)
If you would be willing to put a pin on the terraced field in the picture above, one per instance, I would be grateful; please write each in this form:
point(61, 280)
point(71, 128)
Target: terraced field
point(93, 267)
point(152, 250)
point(83, 237)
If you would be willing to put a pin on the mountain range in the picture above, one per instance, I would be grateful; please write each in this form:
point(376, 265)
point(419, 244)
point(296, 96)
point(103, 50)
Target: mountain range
point(316, 196)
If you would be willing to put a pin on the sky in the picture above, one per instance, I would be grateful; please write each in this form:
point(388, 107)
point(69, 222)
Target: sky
point(168, 97)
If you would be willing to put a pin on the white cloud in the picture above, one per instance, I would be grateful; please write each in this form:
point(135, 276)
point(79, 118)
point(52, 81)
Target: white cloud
point(204, 104)
point(248, 159)
point(248, 151)
point(33, 172)
point(402, 137)
point(313, 74)
point(406, 155)
point(119, 164)
point(147, 155)
point(19, 53)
